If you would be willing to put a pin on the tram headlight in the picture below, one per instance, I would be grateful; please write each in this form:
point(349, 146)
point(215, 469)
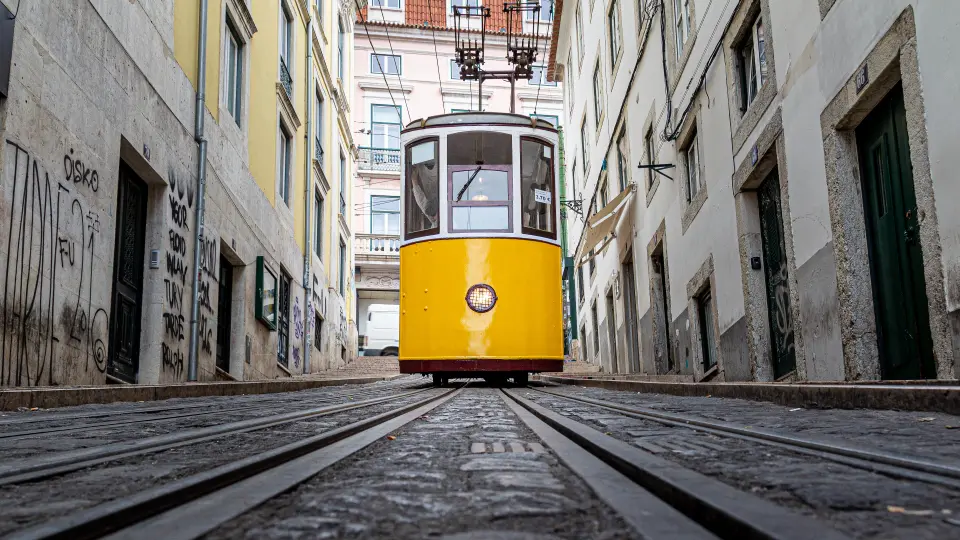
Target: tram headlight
point(481, 298)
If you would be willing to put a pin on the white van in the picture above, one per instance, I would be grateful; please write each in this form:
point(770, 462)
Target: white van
point(383, 330)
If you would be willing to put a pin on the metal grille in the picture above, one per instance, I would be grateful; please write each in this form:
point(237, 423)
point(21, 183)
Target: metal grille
point(285, 78)
point(128, 246)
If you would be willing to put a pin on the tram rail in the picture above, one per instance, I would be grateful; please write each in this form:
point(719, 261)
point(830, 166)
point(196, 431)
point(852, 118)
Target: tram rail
point(896, 466)
point(195, 505)
point(64, 462)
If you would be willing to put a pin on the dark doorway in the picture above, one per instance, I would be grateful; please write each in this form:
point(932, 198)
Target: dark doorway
point(612, 332)
point(896, 260)
point(123, 360)
point(630, 320)
point(283, 321)
point(780, 318)
point(224, 312)
point(661, 315)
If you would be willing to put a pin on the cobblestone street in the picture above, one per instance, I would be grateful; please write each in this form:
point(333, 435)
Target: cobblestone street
point(403, 459)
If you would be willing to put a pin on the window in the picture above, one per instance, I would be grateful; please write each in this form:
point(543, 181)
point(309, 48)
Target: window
point(234, 72)
point(536, 188)
point(389, 4)
point(681, 19)
point(752, 64)
point(265, 308)
point(708, 339)
point(554, 120)
point(580, 290)
point(602, 193)
point(388, 64)
point(454, 70)
point(651, 158)
point(453, 111)
point(463, 3)
point(691, 156)
point(342, 269)
point(579, 20)
point(384, 215)
point(286, 162)
point(584, 153)
point(623, 173)
point(318, 224)
point(283, 320)
point(546, 12)
point(343, 184)
point(597, 92)
point(596, 330)
point(479, 168)
point(286, 37)
point(317, 332)
point(422, 189)
point(385, 125)
point(340, 48)
point(613, 24)
point(539, 77)
point(318, 114)
point(569, 86)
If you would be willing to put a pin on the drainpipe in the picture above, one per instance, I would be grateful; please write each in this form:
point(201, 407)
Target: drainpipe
point(307, 199)
point(201, 184)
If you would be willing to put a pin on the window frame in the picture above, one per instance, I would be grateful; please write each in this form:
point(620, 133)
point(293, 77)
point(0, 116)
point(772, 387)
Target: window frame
point(375, 62)
point(454, 70)
point(399, 6)
point(597, 91)
point(340, 48)
point(650, 150)
point(579, 28)
point(758, 64)
point(319, 103)
point(343, 184)
point(342, 269)
point(318, 213)
point(584, 154)
point(595, 319)
point(554, 194)
point(704, 312)
point(693, 181)
point(286, 162)
point(681, 25)
point(374, 212)
point(542, 80)
point(265, 277)
point(404, 234)
point(374, 124)
point(283, 319)
point(508, 203)
point(236, 53)
point(622, 158)
point(615, 35)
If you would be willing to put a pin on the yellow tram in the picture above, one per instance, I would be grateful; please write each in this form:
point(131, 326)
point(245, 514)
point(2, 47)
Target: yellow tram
point(480, 260)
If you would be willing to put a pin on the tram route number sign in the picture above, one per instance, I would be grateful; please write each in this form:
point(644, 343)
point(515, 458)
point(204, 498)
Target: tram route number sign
point(542, 196)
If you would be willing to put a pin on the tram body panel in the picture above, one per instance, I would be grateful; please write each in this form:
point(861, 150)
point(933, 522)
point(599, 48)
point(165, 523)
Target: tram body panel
point(437, 324)
point(479, 213)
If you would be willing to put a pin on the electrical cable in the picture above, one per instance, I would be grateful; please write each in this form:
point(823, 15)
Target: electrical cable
point(399, 80)
point(436, 55)
point(376, 56)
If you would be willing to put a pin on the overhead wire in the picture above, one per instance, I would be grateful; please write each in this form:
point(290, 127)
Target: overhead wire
point(436, 56)
point(399, 80)
point(377, 56)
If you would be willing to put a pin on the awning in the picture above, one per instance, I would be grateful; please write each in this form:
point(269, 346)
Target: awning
point(601, 225)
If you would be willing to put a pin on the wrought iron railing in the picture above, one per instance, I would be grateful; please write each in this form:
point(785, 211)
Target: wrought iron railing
point(285, 78)
point(377, 244)
point(318, 151)
point(380, 159)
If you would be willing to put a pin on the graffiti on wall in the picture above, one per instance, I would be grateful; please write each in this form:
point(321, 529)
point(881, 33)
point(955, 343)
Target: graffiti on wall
point(180, 200)
point(49, 314)
point(209, 268)
point(297, 331)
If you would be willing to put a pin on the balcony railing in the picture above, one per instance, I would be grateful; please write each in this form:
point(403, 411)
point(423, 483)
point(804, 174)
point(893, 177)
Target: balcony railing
point(318, 151)
point(285, 78)
point(380, 159)
point(377, 244)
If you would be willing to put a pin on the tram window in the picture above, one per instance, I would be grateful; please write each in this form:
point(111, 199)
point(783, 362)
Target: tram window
point(422, 197)
point(478, 184)
point(479, 148)
point(481, 218)
point(536, 187)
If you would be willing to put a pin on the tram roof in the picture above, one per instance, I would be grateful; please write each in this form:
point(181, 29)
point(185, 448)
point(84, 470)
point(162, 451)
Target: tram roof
point(479, 118)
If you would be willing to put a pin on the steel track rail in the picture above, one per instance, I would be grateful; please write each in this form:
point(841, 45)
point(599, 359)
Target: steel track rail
point(902, 467)
point(64, 462)
point(722, 510)
point(195, 505)
point(265, 400)
point(14, 435)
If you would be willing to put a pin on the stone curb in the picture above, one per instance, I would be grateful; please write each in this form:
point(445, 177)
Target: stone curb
point(51, 397)
point(945, 399)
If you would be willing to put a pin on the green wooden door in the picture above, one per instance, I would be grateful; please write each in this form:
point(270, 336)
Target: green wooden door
point(780, 317)
point(896, 262)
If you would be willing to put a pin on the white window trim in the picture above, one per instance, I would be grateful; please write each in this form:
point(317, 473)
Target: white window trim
point(401, 7)
point(694, 180)
point(281, 121)
point(373, 62)
point(239, 15)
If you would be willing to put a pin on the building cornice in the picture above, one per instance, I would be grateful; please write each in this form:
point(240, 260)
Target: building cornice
point(287, 110)
point(382, 87)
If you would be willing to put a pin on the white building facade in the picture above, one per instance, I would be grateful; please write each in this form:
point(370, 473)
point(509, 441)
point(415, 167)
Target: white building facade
point(405, 70)
point(770, 183)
